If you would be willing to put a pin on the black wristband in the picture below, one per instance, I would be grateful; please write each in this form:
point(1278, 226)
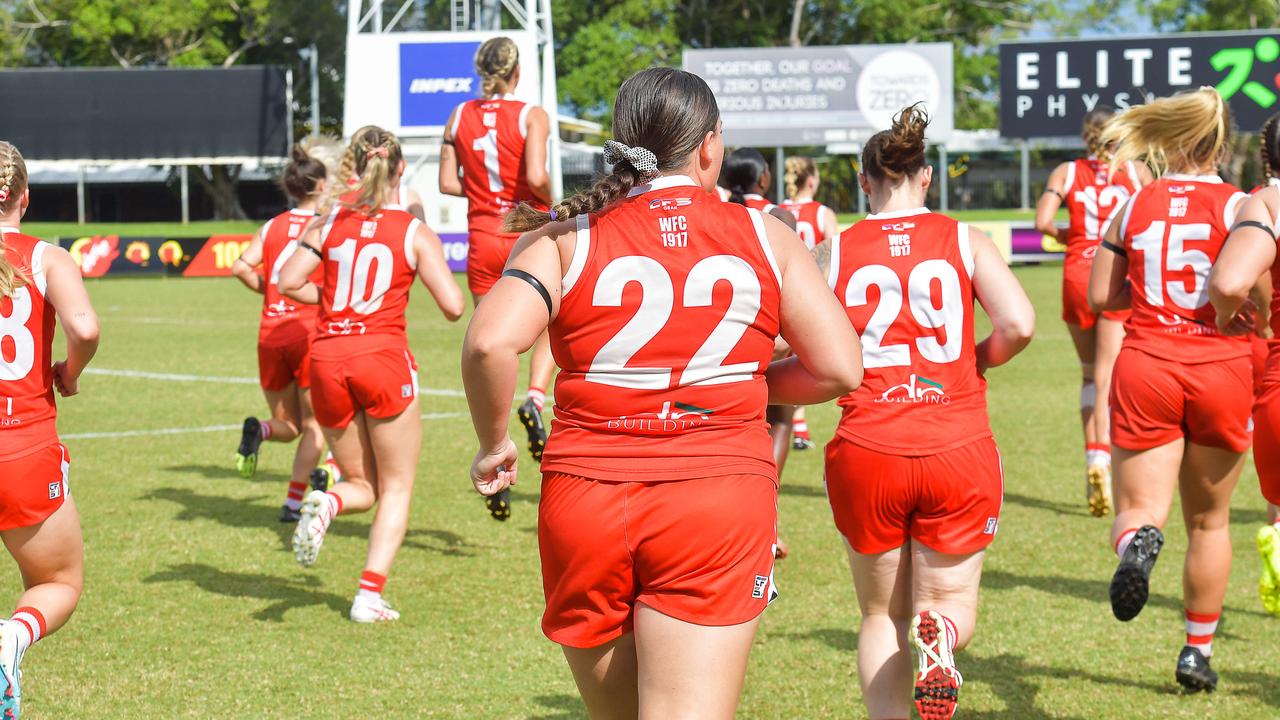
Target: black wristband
point(534, 282)
point(318, 254)
point(1114, 248)
point(1254, 224)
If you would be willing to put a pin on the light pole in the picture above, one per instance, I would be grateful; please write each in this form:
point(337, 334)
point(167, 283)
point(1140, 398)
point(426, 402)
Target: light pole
point(312, 56)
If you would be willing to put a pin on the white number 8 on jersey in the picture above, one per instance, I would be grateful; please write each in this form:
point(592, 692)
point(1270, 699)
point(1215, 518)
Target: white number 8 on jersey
point(14, 326)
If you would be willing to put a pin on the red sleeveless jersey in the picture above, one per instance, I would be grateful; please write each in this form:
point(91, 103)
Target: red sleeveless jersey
point(808, 216)
point(1094, 194)
point(758, 202)
point(369, 266)
point(284, 321)
point(906, 281)
point(27, 411)
point(489, 139)
point(669, 311)
point(1172, 232)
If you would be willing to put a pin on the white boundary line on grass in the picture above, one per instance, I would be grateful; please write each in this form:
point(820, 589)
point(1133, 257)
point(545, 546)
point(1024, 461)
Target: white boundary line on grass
point(225, 379)
point(206, 429)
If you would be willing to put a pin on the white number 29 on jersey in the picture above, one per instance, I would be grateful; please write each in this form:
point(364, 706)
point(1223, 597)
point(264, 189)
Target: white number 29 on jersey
point(949, 315)
point(707, 366)
point(14, 327)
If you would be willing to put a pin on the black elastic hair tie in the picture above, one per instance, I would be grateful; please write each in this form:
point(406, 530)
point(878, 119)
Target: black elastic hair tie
point(313, 250)
point(1114, 248)
point(1254, 224)
point(534, 282)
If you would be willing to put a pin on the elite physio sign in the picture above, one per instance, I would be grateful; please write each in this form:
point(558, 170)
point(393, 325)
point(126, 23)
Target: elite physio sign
point(818, 95)
point(1046, 87)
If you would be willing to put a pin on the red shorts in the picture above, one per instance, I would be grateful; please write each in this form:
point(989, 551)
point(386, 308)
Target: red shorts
point(949, 502)
point(1266, 442)
point(281, 365)
point(696, 550)
point(487, 255)
point(1155, 401)
point(1075, 304)
point(381, 383)
point(1261, 350)
point(33, 486)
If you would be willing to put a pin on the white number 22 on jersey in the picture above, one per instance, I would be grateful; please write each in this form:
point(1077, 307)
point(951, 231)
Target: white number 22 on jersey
point(657, 301)
point(14, 326)
point(949, 315)
point(353, 276)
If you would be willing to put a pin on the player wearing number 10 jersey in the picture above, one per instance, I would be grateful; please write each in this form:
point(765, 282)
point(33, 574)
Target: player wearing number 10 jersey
point(39, 523)
point(658, 513)
point(1182, 390)
point(363, 378)
point(913, 474)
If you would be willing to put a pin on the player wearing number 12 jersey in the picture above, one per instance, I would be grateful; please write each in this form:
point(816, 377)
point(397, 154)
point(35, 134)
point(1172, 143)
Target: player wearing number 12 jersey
point(364, 380)
point(38, 519)
point(657, 519)
point(1182, 391)
point(917, 508)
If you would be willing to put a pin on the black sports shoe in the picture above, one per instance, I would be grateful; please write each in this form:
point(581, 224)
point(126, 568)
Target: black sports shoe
point(802, 443)
point(321, 480)
point(1129, 584)
point(531, 419)
point(499, 505)
point(1194, 672)
point(288, 515)
point(250, 441)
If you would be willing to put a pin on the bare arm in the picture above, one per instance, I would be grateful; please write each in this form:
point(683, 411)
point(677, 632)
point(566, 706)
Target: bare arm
point(245, 266)
point(1244, 260)
point(295, 276)
point(450, 181)
point(535, 154)
point(433, 272)
point(830, 225)
point(67, 294)
point(413, 204)
point(1050, 202)
point(828, 356)
point(1013, 318)
point(1109, 280)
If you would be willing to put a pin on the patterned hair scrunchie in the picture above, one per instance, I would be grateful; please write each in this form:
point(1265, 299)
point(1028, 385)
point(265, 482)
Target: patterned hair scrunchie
point(642, 159)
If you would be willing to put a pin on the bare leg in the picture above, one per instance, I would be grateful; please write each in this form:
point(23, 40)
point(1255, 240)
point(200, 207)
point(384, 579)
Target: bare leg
point(687, 671)
point(311, 444)
point(286, 413)
point(354, 454)
point(1110, 335)
point(1208, 478)
point(51, 558)
point(883, 585)
point(947, 584)
point(396, 443)
point(606, 678)
point(779, 418)
point(1085, 342)
point(1144, 484)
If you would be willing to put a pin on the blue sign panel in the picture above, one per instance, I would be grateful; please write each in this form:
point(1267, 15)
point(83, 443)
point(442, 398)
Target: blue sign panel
point(434, 79)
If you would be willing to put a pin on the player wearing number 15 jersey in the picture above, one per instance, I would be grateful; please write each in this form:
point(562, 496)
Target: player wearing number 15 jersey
point(658, 513)
point(363, 378)
point(1182, 391)
point(38, 519)
point(917, 507)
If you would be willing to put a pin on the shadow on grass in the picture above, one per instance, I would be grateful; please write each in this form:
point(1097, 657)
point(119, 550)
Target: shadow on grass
point(1034, 503)
point(228, 472)
point(1097, 591)
point(565, 707)
point(248, 514)
point(793, 490)
point(283, 594)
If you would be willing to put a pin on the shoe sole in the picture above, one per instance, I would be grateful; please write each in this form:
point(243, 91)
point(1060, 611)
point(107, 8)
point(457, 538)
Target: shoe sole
point(937, 693)
point(320, 480)
point(499, 505)
point(1130, 586)
point(247, 453)
point(306, 549)
point(537, 438)
point(1197, 682)
point(1269, 583)
point(1099, 503)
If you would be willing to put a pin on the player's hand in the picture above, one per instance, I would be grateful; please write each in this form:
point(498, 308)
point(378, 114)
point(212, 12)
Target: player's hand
point(66, 384)
point(493, 472)
point(1242, 323)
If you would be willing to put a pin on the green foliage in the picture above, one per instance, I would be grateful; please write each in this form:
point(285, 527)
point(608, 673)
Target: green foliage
point(1199, 15)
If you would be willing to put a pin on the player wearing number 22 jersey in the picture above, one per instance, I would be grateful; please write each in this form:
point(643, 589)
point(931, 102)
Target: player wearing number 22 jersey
point(913, 456)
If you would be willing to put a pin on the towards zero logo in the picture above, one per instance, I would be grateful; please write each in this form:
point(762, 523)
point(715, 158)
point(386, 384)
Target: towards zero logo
point(1240, 61)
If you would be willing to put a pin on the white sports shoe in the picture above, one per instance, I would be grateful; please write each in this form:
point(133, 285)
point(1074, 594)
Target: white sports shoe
point(313, 522)
point(372, 610)
point(937, 682)
point(10, 675)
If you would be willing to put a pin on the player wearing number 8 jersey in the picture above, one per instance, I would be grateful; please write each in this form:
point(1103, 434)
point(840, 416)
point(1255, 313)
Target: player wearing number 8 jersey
point(363, 377)
point(1182, 390)
point(917, 509)
point(38, 519)
point(657, 519)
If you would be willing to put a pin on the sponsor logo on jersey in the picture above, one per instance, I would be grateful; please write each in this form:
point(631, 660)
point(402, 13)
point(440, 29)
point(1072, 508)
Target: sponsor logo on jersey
point(1178, 207)
point(368, 228)
point(669, 204)
point(899, 244)
point(1182, 189)
point(673, 417)
point(762, 583)
point(917, 389)
point(898, 227)
point(55, 490)
point(279, 309)
point(674, 230)
point(431, 86)
point(295, 229)
point(1185, 326)
point(992, 525)
point(346, 327)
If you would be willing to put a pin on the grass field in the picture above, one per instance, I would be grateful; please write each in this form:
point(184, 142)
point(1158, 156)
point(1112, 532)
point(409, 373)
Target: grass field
point(195, 608)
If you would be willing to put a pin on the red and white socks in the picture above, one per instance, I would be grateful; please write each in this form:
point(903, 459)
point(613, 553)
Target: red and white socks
point(1200, 630)
point(25, 627)
point(801, 430)
point(1097, 455)
point(264, 430)
point(371, 585)
point(1122, 542)
point(333, 504)
point(538, 396)
point(297, 490)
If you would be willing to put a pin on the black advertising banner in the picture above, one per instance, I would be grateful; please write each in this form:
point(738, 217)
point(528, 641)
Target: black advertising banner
point(1046, 87)
point(102, 255)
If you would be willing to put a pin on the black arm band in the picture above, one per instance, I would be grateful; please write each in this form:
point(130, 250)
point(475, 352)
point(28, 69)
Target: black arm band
point(1254, 224)
point(1055, 192)
point(318, 254)
point(1114, 248)
point(534, 282)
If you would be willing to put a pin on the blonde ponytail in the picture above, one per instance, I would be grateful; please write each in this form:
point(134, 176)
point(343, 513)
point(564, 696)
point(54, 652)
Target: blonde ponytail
point(374, 156)
point(798, 171)
point(1187, 131)
point(496, 61)
point(13, 182)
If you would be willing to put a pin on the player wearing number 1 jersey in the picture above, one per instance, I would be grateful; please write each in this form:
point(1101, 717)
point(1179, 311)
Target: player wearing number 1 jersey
point(39, 524)
point(1092, 191)
point(917, 508)
point(657, 519)
point(364, 380)
point(1182, 391)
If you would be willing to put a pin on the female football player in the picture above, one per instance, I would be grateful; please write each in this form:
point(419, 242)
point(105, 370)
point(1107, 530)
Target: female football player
point(1182, 389)
point(39, 283)
point(364, 379)
point(658, 513)
point(917, 509)
point(1092, 190)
